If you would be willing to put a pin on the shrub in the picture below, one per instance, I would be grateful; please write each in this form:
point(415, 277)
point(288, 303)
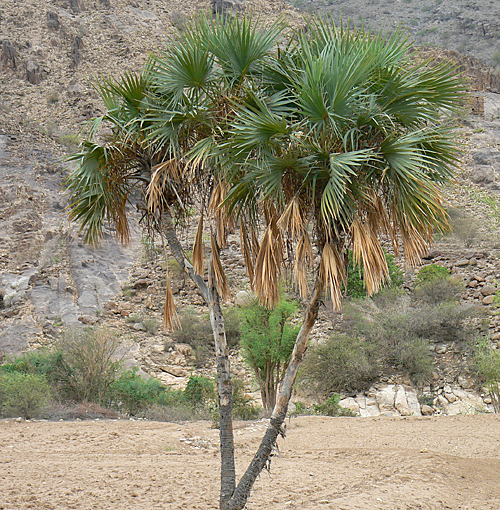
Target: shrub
point(437, 291)
point(133, 394)
point(464, 227)
point(331, 407)
point(431, 273)
point(242, 407)
point(390, 332)
point(42, 362)
point(151, 325)
point(355, 287)
point(487, 363)
point(88, 365)
point(342, 363)
point(197, 332)
point(23, 394)
point(199, 392)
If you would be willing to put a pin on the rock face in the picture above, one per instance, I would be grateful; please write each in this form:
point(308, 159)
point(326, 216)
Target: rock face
point(44, 268)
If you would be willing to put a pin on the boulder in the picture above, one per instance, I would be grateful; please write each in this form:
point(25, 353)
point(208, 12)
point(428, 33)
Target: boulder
point(427, 410)
point(401, 403)
point(385, 398)
point(350, 403)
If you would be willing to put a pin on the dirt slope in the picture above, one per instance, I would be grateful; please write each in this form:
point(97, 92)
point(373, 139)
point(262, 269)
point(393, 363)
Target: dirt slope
point(336, 463)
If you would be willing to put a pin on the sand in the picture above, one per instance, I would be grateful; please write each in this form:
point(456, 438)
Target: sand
point(337, 463)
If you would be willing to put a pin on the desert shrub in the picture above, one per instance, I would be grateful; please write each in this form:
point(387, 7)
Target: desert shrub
point(175, 413)
point(431, 273)
point(438, 290)
point(487, 364)
point(243, 409)
point(199, 392)
point(355, 287)
point(464, 227)
point(23, 394)
point(197, 332)
point(88, 366)
point(133, 394)
point(331, 407)
point(342, 363)
point(390, 332)
point(80, 411)
point(151, 325)
point(267, 340)
point(444, 322)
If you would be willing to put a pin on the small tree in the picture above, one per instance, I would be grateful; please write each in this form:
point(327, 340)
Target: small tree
point(267, 340)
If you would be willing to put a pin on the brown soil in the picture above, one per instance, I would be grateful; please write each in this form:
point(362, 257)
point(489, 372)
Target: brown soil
point(337, 463)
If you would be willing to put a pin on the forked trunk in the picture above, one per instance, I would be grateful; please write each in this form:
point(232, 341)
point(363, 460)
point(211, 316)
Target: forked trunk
point(224, 387)
point(263, 455)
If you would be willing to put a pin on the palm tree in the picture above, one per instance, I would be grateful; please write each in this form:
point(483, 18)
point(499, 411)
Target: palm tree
point(323, 141)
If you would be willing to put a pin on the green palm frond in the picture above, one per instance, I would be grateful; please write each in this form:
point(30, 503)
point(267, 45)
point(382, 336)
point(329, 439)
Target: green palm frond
point(240, 44)
point(97, 193)
point(187, 68)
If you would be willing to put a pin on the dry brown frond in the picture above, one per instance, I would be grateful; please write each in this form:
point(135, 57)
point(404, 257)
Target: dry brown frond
point(416, 243)
point(267, 269)
point(170, 169)
point(303, 258)
point(120, 221)
point(291, 221)
point(332, 272)
point(170, 318)
point(255, 243)
point(198, 248)
point(220, 276)
point(223, 220)
point(368, 252)
point(247, 252)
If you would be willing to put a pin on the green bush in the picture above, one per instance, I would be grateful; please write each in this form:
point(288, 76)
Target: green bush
point(391, 332)
point(88, 366)
point(199, 392)
point(23, 394)
point(487, 363)
point(355, 287)
point(243, 409)
point(133, 394)
point(42, 362)
point(431, 273)
point(438, 290)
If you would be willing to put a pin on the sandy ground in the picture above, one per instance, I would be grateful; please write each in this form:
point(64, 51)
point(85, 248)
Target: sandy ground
point(338, 463)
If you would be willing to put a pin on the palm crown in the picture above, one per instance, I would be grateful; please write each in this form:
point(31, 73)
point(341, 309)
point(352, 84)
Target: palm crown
point(335, 135)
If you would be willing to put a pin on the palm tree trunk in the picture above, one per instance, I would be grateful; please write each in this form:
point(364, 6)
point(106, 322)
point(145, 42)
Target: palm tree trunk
point(224, 387)
point(263, 455)
point(225, 394)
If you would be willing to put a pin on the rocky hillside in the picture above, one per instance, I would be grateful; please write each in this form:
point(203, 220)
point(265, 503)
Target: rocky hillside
point(469, 27)
point(50, 280)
